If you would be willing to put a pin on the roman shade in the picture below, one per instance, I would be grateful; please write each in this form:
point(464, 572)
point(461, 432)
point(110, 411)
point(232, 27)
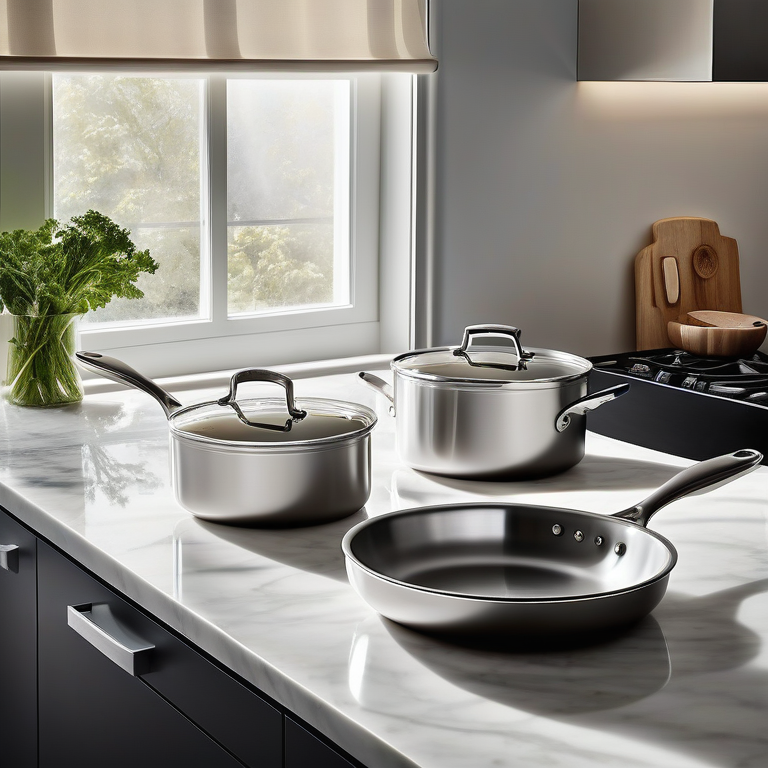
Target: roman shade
point(314, 35)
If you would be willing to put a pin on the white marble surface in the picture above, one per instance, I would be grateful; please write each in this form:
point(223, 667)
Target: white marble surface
point(686, 688)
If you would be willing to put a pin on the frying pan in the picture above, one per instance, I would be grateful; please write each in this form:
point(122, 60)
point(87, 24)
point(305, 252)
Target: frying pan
point(517, 569)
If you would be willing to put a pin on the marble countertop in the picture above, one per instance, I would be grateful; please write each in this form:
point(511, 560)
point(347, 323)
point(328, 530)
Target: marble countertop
point(687, 687)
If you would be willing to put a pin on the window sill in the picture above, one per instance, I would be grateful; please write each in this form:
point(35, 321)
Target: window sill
point(98, 385)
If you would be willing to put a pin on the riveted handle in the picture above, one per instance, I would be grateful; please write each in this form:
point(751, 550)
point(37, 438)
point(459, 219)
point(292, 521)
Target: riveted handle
point(588, 403)
point(381, 386)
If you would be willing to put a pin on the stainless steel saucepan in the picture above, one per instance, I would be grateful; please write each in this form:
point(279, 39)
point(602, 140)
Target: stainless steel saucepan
point(261, 461)
point(515, 569)
point(481, 411)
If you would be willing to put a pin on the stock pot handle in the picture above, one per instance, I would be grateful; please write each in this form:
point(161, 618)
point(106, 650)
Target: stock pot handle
point(588, 403)
point(261, 374)
point(506, 331)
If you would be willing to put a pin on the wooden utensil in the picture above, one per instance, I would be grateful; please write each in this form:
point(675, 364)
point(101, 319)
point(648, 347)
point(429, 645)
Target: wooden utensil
point(689, 266)
point(717, 334)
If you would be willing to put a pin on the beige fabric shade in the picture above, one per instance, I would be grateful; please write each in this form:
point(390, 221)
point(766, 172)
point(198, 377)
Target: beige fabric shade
point(321, 35)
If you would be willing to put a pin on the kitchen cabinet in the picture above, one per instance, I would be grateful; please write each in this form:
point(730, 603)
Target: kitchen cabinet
point(73, 696)
point(87, 698)
point(688, 40)
point(18, 652)
point(302, 749)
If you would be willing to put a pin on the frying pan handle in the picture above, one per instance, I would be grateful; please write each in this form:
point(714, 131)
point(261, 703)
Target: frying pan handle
point(588, 403)
point(261, 374)
point(701, 477)
point(116, 370)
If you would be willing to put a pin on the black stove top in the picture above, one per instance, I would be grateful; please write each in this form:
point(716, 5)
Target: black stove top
point(740, 379)
point(684, 404)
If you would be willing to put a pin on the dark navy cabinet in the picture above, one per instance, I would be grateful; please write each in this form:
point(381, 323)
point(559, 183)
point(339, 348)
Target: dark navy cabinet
point(92, 712)
point(18, 646)
point(88, 679)
point(302, 749)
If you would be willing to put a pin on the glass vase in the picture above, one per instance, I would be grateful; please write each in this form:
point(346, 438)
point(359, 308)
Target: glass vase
point(41, 367)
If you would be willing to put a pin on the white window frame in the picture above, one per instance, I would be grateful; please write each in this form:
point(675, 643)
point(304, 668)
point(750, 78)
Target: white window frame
point(378, 317)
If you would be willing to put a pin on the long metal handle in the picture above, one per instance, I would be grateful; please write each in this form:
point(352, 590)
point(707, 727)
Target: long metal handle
point(95, 623)
point(9, 557)
point(588, 403)
point(704, 476)
point(116, 370)
point(506, 331)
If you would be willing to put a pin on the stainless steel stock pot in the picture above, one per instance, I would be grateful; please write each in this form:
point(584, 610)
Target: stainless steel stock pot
point(481, 411)
point(262, 461)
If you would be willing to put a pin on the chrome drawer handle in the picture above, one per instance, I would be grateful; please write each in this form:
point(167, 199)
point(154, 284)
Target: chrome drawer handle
point(95, 623)
point(9, 557)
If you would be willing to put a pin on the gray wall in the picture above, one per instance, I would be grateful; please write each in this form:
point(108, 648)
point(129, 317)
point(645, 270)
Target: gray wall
point(546, 188)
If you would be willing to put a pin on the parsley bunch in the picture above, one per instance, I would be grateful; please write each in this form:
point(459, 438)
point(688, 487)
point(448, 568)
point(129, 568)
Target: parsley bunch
point(58, 270)
point(47, 277)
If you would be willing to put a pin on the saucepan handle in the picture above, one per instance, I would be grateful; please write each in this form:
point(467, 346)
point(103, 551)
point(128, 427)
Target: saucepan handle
point(588, 403)
point(701, 477)
point(116, 370)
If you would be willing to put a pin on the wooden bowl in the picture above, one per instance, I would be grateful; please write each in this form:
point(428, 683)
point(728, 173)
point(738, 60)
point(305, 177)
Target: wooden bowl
point(717, 334)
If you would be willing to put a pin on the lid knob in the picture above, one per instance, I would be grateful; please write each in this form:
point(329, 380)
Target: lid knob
point(505, 331)
point(261, 374)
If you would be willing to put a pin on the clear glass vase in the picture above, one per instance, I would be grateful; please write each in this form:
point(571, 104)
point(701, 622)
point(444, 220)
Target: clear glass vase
point(41, 367)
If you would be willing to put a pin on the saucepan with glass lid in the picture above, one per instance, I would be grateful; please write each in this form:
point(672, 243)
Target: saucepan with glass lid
point(261, 461)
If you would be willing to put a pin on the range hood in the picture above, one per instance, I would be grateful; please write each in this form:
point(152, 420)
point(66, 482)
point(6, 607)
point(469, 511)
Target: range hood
point(683, 40)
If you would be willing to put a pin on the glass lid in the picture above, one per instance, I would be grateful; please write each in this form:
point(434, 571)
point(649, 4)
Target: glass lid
point(268, 421)
point(475, 362)
point(271, 420)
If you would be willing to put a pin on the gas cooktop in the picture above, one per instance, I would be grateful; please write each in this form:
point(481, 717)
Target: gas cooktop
point(684, 404)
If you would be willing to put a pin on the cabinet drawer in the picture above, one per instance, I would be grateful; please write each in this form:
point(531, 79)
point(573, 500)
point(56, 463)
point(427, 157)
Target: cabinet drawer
point(18, 645)
point(249, 727)
point(303, 749)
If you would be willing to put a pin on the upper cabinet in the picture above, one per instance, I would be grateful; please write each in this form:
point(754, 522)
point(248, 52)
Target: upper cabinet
point(674, 40)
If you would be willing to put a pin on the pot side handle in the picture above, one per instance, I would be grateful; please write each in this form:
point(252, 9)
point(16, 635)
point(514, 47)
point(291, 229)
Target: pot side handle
point(381, 387)
point(700, 478)
point(116, 370)
point(588, 403)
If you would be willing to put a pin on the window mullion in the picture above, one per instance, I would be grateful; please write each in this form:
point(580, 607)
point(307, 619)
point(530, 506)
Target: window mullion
point(217, 197)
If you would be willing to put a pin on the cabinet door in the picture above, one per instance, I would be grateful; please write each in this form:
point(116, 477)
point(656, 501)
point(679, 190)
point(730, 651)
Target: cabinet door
point(92, 712)
point(303, 749)
point(18, 646)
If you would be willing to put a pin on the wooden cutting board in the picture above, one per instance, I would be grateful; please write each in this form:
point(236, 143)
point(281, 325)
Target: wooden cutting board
point(688, 267)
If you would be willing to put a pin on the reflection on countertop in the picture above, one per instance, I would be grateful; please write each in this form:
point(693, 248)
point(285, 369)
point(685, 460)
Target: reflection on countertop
point(685, 688)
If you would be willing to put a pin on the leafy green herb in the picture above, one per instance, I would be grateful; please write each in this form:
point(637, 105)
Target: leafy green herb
point(61, 270)
point(50, 275)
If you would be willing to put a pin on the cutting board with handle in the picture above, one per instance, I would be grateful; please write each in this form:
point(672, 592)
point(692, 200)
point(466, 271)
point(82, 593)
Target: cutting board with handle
point(689, 266)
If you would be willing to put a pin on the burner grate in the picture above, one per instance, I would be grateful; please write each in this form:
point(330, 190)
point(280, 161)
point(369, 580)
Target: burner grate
point(683, 404)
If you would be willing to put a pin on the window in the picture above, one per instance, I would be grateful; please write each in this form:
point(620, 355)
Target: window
point(260, 196)
point(141, 144)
